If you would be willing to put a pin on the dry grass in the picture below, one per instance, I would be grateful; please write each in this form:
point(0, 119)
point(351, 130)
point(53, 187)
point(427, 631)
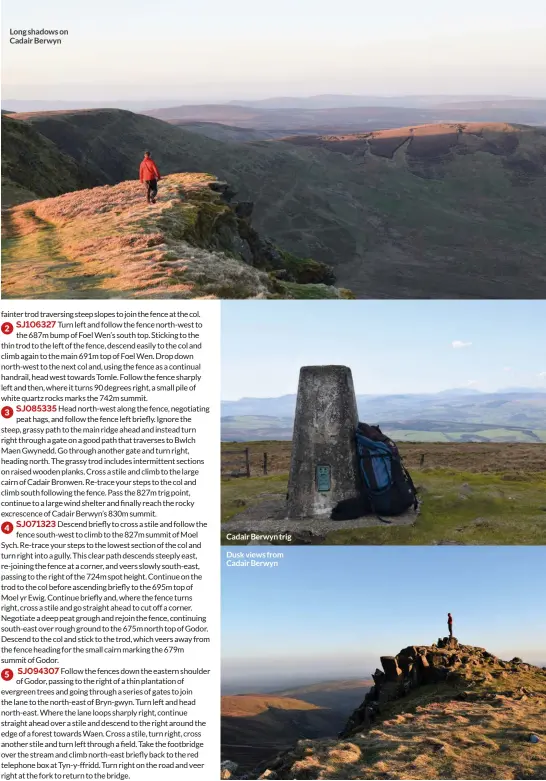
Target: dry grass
point(451, 740)
point(107, 242)
point(513, 458)
point(473, 493)
point(476, 728)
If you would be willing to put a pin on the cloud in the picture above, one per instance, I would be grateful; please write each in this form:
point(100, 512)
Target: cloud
point(471, 383)
point(458, 345)
point(542, 375)
point(507, 369)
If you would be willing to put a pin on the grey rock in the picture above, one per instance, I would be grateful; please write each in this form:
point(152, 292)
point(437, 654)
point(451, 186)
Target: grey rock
point(324, 436)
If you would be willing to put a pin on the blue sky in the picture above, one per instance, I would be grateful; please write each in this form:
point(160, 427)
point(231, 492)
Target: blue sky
point(332, 611)
point(131, 49)
point(391, 346)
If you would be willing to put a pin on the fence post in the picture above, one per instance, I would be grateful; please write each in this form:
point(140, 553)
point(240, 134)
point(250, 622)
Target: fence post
point(247, 462)
point(265, 463)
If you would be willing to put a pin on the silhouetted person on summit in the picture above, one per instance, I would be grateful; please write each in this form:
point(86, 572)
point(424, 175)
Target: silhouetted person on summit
point(149, 176)
point(450, 624)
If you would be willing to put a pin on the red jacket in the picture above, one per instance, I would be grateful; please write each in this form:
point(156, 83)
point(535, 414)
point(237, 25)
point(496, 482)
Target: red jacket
point(148, 170)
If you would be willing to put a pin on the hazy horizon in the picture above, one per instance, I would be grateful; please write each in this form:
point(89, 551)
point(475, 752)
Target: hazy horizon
point(35, 95)
point(391, 346)
point(213, 53)
point(463, 389)
point(330, 612)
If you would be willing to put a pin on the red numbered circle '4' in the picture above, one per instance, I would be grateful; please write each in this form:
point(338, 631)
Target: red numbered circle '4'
point(7, 527)
point(6, 674)
point(6, 328)
point(7, 412)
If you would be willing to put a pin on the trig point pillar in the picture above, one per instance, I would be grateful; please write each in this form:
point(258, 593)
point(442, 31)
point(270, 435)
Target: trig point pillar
point(324, 468)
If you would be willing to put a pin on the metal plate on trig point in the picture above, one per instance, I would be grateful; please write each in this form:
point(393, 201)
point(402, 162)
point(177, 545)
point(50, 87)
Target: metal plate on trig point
point(323, 478)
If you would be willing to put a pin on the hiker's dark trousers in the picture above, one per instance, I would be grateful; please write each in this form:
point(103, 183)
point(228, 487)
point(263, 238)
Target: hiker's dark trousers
point(450, 630)
point(151, 189)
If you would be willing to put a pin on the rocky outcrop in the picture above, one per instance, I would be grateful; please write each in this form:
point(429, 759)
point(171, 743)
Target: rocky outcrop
point(446, 661)
point(411, 720)
point(414, 666)
point(195, 242)
point(260, 252)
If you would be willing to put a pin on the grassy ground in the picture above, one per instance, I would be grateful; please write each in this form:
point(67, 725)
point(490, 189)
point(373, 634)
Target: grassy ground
point(451, 740)
point(476, 728)
point(469, 494)
point(107, 242)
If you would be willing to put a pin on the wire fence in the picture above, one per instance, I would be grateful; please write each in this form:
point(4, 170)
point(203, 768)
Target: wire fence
point(244, 463)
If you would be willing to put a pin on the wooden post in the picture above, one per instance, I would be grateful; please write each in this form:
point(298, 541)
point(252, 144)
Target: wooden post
point(265, 463)
point(247, 461)
point(422, 461)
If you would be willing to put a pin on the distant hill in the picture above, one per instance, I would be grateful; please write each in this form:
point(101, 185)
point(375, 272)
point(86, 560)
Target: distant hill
point(449, 416)
point(444, 711)
point(51, 172)
point(434, 211)
point(406, 101)
point(337, 695)
point(256, 727)
point(227, 133)
point(331, 114)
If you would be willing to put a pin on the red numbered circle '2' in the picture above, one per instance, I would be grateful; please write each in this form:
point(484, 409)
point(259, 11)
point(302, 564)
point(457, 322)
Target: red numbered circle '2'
point(7, 527)
point(7, 412)
point(6, 328)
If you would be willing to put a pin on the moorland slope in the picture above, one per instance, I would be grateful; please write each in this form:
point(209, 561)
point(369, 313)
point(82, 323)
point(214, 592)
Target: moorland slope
point(444, 711)
point(453, 210)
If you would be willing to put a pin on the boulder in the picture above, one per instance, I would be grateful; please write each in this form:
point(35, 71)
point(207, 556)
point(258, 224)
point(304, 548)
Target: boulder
point(460, 666)
point(411, 651)
point(422, 662)
point(448, 642)
point(436, 659)
point(227, 769)
point(393, 673)
point(226, 191)
point(405, 663)
point(244, 210)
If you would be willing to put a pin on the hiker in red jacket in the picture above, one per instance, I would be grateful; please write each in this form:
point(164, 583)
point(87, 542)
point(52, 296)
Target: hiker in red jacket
point(450, 624)
point(149, 176)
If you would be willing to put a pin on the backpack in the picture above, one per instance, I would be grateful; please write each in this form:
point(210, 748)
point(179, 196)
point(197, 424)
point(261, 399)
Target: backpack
point(387, 486)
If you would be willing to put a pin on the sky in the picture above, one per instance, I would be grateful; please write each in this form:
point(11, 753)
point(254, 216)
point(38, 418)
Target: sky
point(391, 346)
point(330, 612)
point(210, 51)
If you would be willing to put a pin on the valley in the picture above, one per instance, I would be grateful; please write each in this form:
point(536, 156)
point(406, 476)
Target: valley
point(444, 210)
